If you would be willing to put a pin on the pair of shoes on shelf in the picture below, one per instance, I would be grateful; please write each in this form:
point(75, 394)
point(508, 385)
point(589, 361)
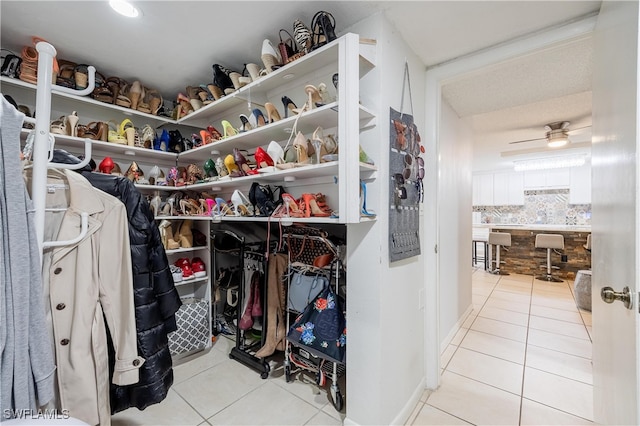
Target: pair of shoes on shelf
point(184, 237)
point(191, 269)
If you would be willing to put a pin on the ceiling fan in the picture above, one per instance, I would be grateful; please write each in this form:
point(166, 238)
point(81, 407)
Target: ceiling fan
point(557, 134)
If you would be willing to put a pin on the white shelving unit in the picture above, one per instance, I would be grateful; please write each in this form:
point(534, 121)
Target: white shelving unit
point(343, 116)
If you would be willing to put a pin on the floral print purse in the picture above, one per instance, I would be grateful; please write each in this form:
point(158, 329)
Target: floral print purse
point(321, 328)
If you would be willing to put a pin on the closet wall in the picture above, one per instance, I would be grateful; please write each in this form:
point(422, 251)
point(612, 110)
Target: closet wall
point(455, 153)
point(385, 318)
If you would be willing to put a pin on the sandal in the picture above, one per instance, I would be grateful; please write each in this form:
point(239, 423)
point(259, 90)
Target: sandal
point(114, 136)
point(66, 74)
point(122, 99)
point(81, 76)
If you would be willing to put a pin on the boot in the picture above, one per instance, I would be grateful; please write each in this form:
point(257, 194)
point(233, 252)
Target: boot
point(256, 309)
point(246, 322)
point(275, 327)
point(185, 235)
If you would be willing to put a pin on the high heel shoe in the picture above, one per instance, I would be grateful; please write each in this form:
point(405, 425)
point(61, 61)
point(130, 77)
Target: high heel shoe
point(166, 234)
point(169, 207)
point(222, 80)
point(317, 140)
point(256, 119)
point(221, 168)
point(288, 208)
point(135, 93)
point(228, 129)
point(241, 161)
point(128, 131)
point(232, 168)
point(222, 208)
point(154, 204)
point(312, 207)
point(214, 133)
point(72, 124)
point(300, 146)
point(184, 106)
point(211, 173)
point(241, 204)
point(246, 126)
point(185, 234)
point(272, 112)
point(363, 201)
point(275, 151)
point(314, 100)
point(205, 137)
point(155, 176)
point(289, 106)
point(323, 26)
point(263, 159)
point(270, 56)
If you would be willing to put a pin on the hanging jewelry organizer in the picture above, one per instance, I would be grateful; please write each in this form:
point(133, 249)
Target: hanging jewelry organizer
point(44, 142)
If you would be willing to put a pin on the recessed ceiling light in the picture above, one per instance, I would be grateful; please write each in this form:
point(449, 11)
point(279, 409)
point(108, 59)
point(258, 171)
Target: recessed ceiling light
point(124, 8)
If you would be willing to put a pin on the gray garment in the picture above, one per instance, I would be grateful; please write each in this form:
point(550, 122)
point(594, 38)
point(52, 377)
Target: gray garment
point(26, 360)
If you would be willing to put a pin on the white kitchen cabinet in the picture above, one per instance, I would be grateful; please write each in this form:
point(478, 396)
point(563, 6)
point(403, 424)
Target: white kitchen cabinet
point(580, 185)
point(508, 189)
point(547, 179)
point(483, 189)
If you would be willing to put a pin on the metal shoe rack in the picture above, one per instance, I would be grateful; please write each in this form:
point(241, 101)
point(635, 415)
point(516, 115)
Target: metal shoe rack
point(297, 359)
point(228, 249)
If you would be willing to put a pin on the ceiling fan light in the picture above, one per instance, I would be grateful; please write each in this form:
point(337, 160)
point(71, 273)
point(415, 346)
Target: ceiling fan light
point(558, 142)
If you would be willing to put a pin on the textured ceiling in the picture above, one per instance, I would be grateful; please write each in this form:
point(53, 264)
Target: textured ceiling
point(175, 43)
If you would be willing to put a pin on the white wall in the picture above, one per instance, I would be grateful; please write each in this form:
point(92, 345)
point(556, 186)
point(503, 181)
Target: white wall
point(456, 156)
point(385, 374)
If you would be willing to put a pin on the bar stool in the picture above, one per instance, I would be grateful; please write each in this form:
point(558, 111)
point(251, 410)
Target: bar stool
point(499, 239)
point(549, 242)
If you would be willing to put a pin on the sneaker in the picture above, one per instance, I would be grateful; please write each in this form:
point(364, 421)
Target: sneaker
point(176, 273)
point(187, 271)
point(198, 267)
point(223, 326)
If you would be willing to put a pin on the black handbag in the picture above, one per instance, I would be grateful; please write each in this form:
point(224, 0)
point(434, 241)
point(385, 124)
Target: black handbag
point(321, 328)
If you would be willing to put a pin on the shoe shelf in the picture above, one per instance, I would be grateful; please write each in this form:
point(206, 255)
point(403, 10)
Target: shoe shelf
point(325, 117)
point(183, 217)
point(192, 281)
point(114, 150)
point(324, 170)
point(261, 88)
point(184, 250)
point(85, 105)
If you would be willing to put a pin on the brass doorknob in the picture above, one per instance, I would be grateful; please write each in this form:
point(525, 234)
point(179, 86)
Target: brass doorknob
point(609, 296)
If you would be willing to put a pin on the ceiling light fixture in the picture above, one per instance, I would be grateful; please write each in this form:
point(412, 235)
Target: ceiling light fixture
point(124, 8)
point(557, 134)
point(550, 163)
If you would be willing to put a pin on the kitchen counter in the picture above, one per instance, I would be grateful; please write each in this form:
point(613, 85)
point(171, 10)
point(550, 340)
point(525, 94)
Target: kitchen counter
point(523, 258)
point(535, 227)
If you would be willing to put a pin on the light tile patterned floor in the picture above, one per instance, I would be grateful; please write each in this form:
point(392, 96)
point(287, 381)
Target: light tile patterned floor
point(522, 357)
point(211, 389)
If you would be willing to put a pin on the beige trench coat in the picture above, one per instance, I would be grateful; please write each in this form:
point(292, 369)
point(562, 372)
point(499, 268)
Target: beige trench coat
point(88, 282)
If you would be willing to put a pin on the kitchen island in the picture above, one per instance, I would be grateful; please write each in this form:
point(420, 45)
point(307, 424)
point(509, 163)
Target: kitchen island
point(523, 258)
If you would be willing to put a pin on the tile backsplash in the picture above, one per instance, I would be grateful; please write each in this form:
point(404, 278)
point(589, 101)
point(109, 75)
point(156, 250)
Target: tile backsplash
point(545, 207)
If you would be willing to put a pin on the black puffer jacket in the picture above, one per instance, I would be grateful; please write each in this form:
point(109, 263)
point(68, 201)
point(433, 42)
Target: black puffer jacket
point(155, 297)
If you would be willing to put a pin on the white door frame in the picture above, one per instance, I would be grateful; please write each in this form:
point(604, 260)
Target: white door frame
point(435, 78)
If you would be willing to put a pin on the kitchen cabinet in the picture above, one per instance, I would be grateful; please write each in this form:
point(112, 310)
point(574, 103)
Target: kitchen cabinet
point(547, 179)
point(580, 185)
point(508, 188)
point(482, 189)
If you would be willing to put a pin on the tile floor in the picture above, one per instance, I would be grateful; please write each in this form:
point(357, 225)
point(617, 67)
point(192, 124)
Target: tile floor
point(522, 357)
point(212, 389)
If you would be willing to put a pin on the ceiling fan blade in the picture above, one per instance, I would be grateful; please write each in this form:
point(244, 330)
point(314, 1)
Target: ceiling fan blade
point(527, 140)
point(578, 128)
